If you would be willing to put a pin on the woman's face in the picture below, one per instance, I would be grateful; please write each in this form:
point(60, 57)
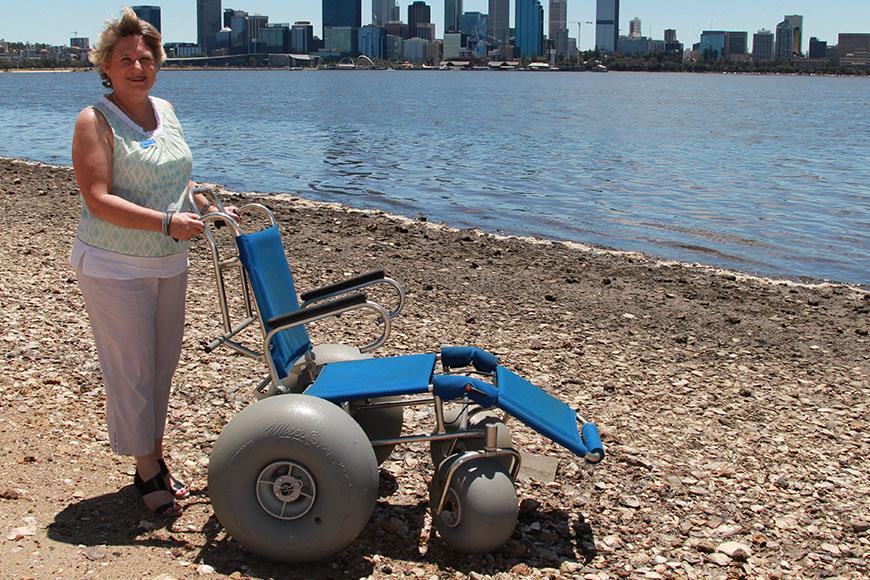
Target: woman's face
point(132, 68)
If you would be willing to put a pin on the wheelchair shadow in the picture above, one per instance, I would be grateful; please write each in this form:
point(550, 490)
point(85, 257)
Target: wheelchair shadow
point(543, 538)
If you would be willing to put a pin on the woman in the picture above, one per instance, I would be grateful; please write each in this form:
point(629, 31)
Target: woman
point(133, 169)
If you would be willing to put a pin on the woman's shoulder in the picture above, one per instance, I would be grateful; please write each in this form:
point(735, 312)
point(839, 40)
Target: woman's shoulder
point(91, 116)
point(162, 103)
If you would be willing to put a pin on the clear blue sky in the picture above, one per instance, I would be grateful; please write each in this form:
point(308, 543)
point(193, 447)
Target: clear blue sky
point(55, 21)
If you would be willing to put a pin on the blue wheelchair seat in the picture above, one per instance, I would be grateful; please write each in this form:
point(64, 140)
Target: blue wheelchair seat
point(374, 377)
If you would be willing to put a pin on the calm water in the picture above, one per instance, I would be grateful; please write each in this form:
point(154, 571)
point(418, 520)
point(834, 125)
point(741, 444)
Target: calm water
point(762, 174)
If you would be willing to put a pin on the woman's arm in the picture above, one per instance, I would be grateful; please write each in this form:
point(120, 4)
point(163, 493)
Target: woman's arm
point(92, 148)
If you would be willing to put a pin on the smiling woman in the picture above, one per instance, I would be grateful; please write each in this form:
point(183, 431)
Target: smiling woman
point(133, 168)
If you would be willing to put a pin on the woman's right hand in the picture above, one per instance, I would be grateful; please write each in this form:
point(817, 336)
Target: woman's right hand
point(185, 225)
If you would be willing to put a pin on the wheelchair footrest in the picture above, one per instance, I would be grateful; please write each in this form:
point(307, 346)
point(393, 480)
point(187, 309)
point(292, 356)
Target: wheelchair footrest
point(533, 406)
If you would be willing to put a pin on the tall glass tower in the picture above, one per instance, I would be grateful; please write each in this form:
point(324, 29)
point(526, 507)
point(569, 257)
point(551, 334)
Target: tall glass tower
point(452, 15)
point(498, 25)
point(208, 24)
point(346, 13)
point(150, 14)
point(384, 11)
point(607, 25)
point(530, 28)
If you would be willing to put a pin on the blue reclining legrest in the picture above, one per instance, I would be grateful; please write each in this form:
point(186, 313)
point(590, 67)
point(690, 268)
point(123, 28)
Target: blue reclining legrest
point(294, 476)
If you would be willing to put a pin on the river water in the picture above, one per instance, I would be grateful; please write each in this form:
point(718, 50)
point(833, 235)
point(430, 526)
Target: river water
point(763, 174)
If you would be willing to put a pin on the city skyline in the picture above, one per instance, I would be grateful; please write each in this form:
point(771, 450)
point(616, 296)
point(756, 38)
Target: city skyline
point(23, 24)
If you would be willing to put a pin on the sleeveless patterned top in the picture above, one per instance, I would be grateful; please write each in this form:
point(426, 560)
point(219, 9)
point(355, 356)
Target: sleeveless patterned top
point(151, 169)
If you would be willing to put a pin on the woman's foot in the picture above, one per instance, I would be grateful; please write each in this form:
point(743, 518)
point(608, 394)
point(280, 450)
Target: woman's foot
point(175, 486)
point(156, 495)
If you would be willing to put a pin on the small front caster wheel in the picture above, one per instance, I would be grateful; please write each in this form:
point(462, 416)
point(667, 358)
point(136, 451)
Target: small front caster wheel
point(480, 512)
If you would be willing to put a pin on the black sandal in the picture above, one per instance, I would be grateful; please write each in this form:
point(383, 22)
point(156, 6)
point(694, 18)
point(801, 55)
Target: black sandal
point(153, 485)
point(178, 489)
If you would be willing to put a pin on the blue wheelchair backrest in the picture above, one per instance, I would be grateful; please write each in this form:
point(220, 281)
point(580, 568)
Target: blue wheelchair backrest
point(262, 255)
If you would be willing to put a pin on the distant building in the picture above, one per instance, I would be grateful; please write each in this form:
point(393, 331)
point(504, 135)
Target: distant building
point(673, 46)
point(237, 22)
point(789, 36)
point(452, 45)
point(224, 41)
point(150, 14)
point(735, 45)
point(818, 48)
point(762, 46)
point(425, 30)
point(474, 25)
point(722, 45)
point(606, 25)
point(398, 28)
point(80, 42)
point(275, 38)
point(302, 37)
point(634, 27)
point(342, 13)
point(384, 11)
point(639, 45)
point(257, 24)
point(393, 47)
point(452, 15)
point(182, 49)
point(208, 24)
point(414, 49)
point(833, 54)
point(529, 28)
point(418, 13)
point(372, 41)
point(341, 39)
point(853, 50)
point(557, 31)
point(498, 27)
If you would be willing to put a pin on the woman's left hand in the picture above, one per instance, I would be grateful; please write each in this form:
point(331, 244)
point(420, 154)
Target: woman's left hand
point(233, 212)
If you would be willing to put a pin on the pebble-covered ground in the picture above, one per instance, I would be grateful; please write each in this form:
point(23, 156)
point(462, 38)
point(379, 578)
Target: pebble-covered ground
point(734, 409)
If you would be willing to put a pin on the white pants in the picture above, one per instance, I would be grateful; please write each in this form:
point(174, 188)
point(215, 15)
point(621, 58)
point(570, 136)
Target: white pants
point(138, 326)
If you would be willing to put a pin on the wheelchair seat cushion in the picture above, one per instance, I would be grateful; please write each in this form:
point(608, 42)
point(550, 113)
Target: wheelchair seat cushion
point(374, 377)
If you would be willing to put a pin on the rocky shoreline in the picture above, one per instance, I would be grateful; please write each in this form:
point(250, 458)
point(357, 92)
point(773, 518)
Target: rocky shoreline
point(734, 408)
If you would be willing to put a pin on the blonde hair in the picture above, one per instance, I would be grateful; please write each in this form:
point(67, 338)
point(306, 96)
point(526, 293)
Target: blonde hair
point(128, 25)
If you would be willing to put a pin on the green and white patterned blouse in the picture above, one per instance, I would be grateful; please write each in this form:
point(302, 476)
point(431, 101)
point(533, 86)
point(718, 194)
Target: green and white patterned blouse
point(149, 168)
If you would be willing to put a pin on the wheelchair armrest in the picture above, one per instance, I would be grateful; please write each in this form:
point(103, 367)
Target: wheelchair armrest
point(312, 312)
point(342, 286)
point(354, 284)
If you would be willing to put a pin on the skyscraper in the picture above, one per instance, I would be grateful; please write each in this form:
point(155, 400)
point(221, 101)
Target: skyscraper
point(208, 24)
point(818, 48)
point(789, 37)
point(302, 37)
point(498, 25)
point(384, 11)
point(607, 25)
point(529, 28)
point(150, 14)
point(418, 13)
point(347, 13)
point(558, 26)
point(452, 15)
point(762, 45)
point(634, 28)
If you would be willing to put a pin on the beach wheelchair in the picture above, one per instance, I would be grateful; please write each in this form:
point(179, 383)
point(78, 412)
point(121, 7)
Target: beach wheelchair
point(294, 476)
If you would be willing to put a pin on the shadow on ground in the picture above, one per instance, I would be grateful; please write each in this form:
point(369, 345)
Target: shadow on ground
point(542, 538)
